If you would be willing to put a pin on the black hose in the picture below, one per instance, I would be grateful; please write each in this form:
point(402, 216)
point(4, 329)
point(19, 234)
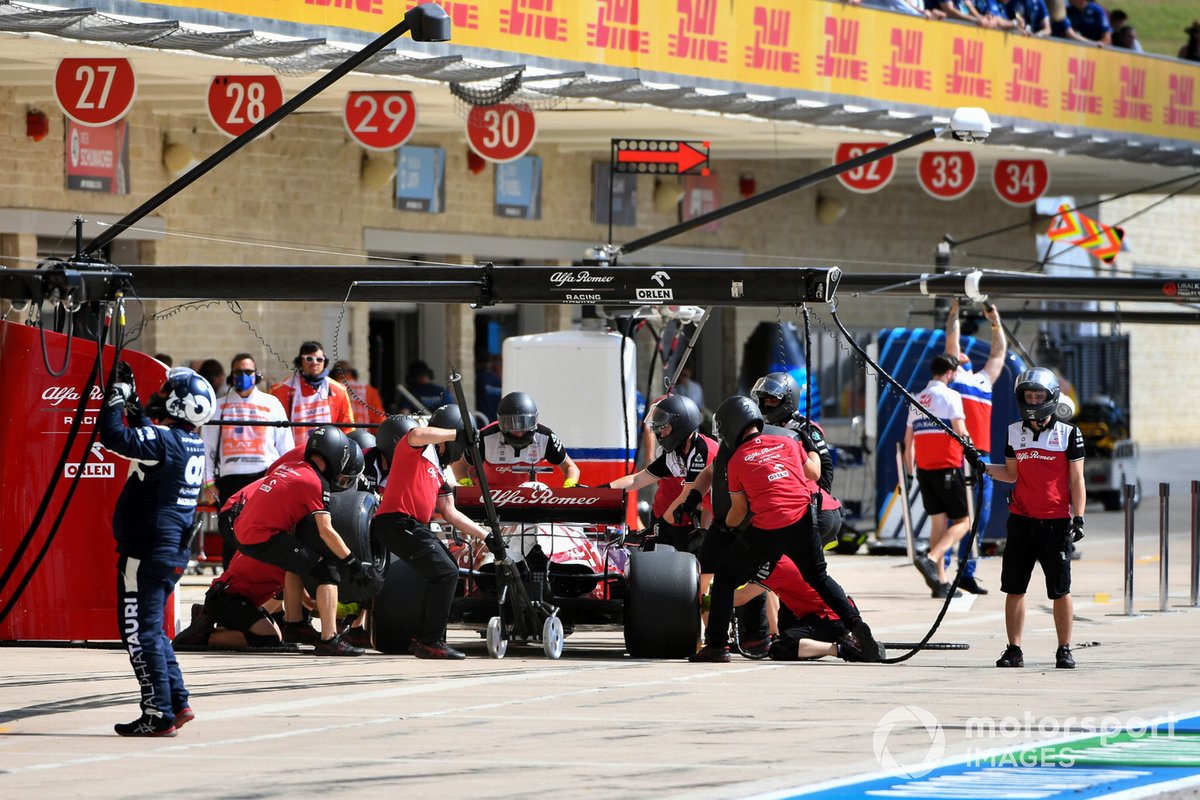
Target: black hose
point(974, 456)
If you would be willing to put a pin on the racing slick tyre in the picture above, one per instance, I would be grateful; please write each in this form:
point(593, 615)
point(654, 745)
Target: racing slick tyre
point(351, 514)
point(397, 612)
point(662, 604)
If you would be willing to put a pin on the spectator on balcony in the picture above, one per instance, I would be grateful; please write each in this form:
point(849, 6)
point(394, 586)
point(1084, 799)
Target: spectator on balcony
point(1031, 17)
point(932, 8)
point(993, 14)
point(1123, 34)
point(963, 10)
point(1091, 21)
point(1060, 23)
point(1191, 50)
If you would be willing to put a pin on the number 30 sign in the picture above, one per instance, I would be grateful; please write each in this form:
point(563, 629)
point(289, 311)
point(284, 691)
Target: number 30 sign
point(503, 132)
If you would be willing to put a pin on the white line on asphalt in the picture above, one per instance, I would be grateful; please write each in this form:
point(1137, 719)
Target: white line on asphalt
point(397, 692)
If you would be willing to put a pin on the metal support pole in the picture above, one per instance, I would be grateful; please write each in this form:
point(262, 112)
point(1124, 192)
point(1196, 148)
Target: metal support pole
point(1129, 489)
point(1164, 524)
point(1195, 584)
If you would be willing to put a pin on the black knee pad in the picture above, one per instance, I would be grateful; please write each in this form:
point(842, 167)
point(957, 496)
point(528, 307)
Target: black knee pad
point(262, 640)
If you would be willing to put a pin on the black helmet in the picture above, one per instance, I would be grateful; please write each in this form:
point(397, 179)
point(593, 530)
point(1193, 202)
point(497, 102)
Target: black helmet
point(343, 457)
point(782, 386)
point(363, 438)
point(733, 417)
point(1036, 379)
point(391, 431)
point(450, 417)
point(517, 414)
point(680, 413)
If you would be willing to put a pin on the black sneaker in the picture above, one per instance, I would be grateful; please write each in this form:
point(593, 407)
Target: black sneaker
point(145, 725)
point(928, 570)
point(183, 716)
point(756, 648)
point(359, 637)
point(1013, 657)
point(860, 644)
point(300, 633)
point(337, 646)
point(711, 654)
point(1063, 658)
point(942, 591)
point(196, 634)
point(435, 650)
point(969, 583)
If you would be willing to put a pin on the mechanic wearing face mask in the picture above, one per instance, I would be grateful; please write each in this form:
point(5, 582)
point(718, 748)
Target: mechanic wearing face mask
point(514, 445)
point(310, 396)
point(237, 456)
point(152, 525)
point(416, 487)
point(1044, 458)
point(674, 420)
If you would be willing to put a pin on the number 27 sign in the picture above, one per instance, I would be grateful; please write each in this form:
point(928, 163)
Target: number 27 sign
point(95, 91)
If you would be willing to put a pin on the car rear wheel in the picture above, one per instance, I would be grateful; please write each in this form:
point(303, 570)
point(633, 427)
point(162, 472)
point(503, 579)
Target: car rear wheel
point(662, 604)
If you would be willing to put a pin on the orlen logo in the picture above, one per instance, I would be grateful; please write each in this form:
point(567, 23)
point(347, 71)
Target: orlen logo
point(57, 395)
point(90, 471)
point(540, 497)
point(779, 473)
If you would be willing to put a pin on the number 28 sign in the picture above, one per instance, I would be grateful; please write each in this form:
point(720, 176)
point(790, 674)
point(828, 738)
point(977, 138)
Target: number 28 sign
point(870, 177)
point(95, 91)
point(502, 132)
point(236, 103)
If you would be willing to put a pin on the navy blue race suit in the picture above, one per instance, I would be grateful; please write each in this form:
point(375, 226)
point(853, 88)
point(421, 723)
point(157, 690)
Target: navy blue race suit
point(152, 525)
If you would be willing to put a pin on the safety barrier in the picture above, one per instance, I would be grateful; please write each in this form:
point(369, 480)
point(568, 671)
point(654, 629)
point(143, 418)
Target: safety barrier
point(1164, 547)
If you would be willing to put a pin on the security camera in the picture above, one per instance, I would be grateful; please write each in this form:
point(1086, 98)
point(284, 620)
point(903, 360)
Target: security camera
point(970, 124)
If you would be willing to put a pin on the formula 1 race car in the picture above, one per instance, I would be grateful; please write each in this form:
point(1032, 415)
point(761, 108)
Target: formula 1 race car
point(568, 548)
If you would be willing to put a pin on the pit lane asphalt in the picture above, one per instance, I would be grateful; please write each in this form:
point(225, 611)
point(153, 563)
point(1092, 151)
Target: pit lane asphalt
point(598, 723)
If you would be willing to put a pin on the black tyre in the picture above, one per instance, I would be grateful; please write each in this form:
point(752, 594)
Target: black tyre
point(397, 612)
point(662, 604)
point(351, 514)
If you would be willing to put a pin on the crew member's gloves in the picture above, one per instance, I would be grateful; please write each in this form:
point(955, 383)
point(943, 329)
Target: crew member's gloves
point(570, 483)
point(118, 394)
point(688, 506)
point(978, 461)
point(465, 482)
point(495, 544)
point(1076, 528)
point(363, 575)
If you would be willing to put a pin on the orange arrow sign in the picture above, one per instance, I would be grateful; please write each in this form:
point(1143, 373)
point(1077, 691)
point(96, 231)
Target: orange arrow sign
point(663, 157)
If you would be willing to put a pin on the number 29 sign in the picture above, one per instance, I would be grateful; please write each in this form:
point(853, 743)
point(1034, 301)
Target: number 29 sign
point(236, 103)
point(380, 120)
point(95, 91)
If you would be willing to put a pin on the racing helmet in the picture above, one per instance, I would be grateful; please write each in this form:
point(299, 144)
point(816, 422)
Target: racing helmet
point(343, 457)
point(782, 386)
point(517, 416)
point(391, 431)
point(733, 416)
point(363, 438)
point(450, 417)
point(186, 396)
point(1038, 378)
point(680, 413)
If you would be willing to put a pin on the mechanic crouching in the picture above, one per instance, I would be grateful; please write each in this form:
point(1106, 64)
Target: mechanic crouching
point(152, 525)
point(766, 478)
point(416, 487)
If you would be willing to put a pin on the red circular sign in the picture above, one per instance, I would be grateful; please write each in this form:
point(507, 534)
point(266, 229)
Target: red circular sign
point(946, 175)
point(236, 103)
point(380, 120)
point(870, 177)
point(502, 132)
point(1020, 182)
point(95, 91)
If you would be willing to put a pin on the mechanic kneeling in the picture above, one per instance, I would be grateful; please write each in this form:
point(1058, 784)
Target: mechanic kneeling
point(233, 615)
point(766, 477)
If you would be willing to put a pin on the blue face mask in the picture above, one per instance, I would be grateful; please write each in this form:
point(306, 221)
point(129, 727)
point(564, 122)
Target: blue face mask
point(243, 381)
point(315, 380)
